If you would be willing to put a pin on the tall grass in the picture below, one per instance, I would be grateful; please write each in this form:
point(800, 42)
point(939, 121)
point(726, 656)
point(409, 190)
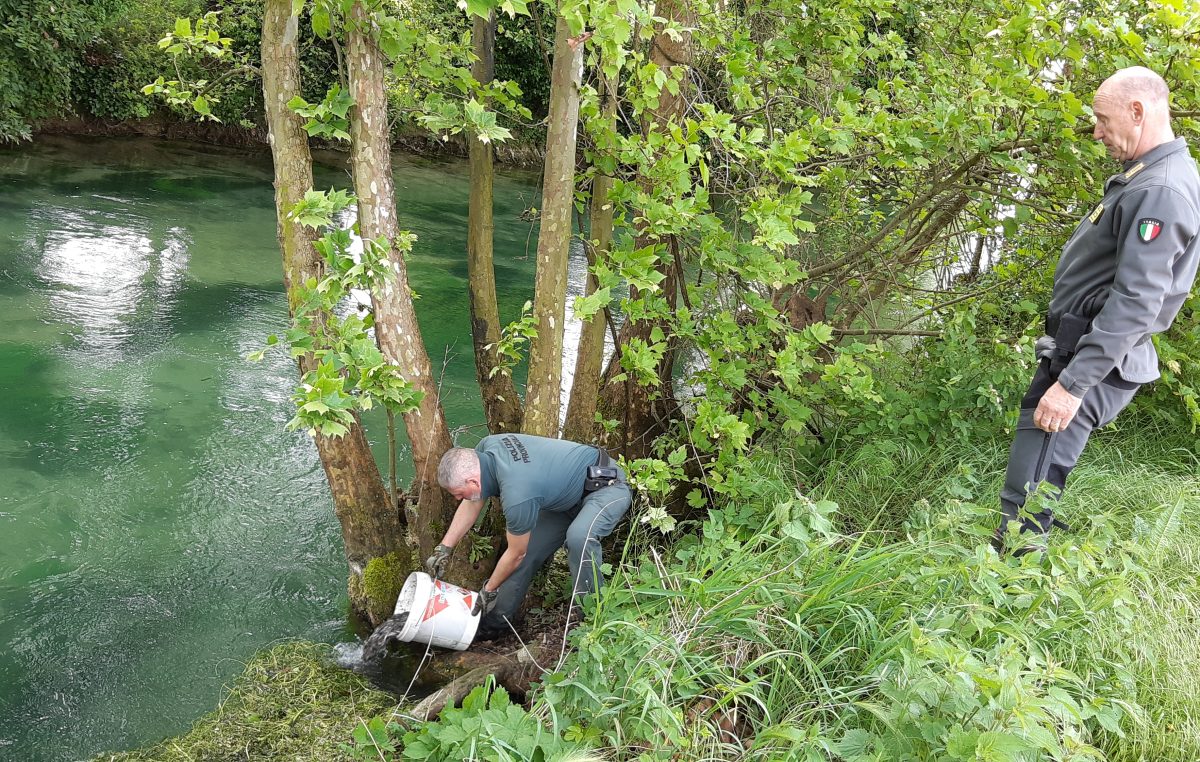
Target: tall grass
point(884, 627)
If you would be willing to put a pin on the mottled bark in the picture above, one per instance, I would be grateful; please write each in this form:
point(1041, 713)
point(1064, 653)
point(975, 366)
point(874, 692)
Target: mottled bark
point(580, 425)
point(501, 405)
point(429, 507)
point(642, 411)
point(544, 391)
point(370, 525)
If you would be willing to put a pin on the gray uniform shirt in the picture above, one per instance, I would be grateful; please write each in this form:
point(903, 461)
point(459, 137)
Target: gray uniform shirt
point(532, 474)
point(1130, 263)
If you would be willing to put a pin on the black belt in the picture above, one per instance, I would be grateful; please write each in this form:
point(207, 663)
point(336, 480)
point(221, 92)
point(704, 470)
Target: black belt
point(1067, 331)
point(602, 458)
point(603, 473)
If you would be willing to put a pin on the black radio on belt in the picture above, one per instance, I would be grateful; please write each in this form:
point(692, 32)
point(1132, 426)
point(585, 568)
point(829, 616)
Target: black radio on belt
point(602, 474)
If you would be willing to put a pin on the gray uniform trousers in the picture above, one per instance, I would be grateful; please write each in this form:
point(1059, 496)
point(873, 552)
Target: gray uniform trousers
point(581, 529)
point(1038, 456)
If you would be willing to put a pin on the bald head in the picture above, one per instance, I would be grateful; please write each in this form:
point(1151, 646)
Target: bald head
point(1137, 83)
point(1133, 113)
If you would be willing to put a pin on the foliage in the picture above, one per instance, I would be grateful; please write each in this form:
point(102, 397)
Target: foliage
point(291, 702)
point(869, 197)
point(202, 43)
point(488, 726)
point(216, 68)
point(350, 373)
point(46, 46)
point(518, 57)
point(1179, 361)
point(513, 338)
point(329, 118)
point(432, 83)
point(773, 635)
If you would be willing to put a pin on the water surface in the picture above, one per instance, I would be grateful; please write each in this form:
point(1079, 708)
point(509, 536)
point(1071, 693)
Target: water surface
point(157, 524)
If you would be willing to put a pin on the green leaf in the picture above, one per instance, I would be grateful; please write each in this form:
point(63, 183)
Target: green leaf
point(480, 8)
point(321, 24)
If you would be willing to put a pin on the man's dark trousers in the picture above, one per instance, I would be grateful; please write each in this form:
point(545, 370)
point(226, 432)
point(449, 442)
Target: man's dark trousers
point(1038, 456)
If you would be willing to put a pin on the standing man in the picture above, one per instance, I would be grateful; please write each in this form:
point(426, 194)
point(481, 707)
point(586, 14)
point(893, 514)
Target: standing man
point(1122, 278)
point(552, 492)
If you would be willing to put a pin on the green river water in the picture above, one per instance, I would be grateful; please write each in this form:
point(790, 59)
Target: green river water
point(157, 524)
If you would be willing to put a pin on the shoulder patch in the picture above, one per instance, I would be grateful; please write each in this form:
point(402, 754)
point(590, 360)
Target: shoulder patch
point(1134, 170)
point(1097, 213)
point(1148, 229)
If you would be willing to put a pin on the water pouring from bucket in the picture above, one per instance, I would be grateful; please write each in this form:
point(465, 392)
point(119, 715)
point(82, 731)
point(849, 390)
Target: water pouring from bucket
point(429, 611)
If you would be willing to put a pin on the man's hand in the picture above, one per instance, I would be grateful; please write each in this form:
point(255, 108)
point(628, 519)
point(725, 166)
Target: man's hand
point(436, 564)
point(485, 601)
point(1056, 409)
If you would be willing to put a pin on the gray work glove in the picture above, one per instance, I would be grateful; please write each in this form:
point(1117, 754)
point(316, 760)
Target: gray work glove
point(436, 564)
point(486, 601)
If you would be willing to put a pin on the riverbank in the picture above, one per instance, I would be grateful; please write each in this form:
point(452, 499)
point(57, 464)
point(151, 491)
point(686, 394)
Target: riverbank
point(771, 633)
point(515, 154)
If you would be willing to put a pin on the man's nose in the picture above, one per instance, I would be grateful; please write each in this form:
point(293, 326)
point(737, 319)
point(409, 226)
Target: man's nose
point(1097, 133)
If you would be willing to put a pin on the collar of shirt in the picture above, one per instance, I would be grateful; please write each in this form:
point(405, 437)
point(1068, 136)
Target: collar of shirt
point(1143, 162)
point(488, 486)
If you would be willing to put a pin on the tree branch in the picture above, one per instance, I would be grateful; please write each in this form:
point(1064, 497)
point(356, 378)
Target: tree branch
point(882, 332)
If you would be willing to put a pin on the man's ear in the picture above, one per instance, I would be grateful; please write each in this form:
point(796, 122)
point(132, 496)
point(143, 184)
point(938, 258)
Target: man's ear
point(1138, 110)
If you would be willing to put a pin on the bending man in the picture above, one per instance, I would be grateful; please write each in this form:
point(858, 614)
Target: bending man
point(1122, 278)
point(553, 492)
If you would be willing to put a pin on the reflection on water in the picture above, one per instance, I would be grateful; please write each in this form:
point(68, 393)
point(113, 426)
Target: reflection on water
point(157, 523)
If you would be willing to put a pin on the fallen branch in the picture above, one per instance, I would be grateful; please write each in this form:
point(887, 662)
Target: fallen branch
point(515, 672)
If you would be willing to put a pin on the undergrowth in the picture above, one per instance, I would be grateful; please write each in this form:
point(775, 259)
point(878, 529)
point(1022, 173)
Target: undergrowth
point(882, 626)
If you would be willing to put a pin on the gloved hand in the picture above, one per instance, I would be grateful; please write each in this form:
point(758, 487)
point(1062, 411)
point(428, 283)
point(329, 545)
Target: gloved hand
point(486, 601)
point(436, 564)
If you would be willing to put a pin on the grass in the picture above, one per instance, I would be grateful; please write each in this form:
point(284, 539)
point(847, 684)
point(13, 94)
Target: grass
point(888, 630)
point(291, 703)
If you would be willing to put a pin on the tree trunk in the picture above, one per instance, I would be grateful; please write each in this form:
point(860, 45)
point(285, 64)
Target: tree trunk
point(642, 411)
point(370, 525)
point(585, 386)
point(544, 392)
point(429, 508)
point(501, 405)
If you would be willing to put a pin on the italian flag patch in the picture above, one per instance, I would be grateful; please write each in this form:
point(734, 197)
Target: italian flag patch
point(1148, 229)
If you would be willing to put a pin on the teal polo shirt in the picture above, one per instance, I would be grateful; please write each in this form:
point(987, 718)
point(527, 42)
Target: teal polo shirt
point(531, 474)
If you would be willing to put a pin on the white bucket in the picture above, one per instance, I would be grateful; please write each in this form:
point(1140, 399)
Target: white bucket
point(438, 613)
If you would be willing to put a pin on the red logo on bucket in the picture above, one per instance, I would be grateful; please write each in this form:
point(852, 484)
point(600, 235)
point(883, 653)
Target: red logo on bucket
point(438, 602)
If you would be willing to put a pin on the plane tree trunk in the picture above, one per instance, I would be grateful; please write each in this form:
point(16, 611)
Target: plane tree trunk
point(428, 508)
point(544, 391)
point(371, 526)
point(501, 405)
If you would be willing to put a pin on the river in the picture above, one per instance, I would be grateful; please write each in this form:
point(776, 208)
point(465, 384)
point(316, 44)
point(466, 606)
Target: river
point(157, 524)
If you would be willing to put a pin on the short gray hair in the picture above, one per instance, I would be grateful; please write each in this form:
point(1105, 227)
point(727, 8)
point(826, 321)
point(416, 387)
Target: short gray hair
point(456, 466)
